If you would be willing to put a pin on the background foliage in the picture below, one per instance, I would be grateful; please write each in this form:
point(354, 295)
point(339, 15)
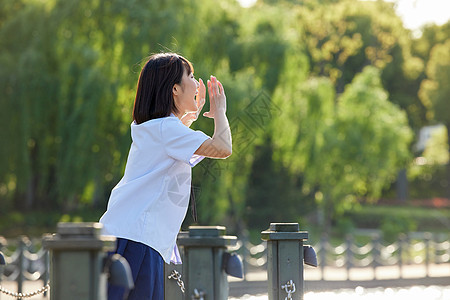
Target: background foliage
point(325, 101)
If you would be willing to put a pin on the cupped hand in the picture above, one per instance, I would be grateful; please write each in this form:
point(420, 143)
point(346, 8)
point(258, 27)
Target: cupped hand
point(200, 98)
point(217, 98)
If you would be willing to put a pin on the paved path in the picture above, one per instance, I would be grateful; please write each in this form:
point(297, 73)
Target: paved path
point(28, 286)
point(365, 274)
point(335, 278)
point(410, 293)
point(339, 278)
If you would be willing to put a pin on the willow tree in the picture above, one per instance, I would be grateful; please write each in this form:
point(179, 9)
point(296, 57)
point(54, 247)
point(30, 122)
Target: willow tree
point(69, 70)
point(345, 151)
point(253, 47)
point(29, 85)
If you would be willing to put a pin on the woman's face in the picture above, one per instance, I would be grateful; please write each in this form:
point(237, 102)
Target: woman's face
point(184, 93)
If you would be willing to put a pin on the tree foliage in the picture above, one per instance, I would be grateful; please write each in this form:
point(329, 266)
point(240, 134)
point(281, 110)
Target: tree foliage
point(318, 97)
point(343, 37)
point(347, 150)
point(435, 90)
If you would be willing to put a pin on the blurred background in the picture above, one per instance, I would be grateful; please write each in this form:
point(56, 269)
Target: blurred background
point(340, 110)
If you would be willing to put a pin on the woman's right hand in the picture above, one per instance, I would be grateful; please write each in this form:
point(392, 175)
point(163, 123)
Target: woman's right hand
point(217, 98)
point(220, 145)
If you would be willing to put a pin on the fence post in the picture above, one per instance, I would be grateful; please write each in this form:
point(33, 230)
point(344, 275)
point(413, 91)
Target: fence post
point(2, 265)
point(245, 253)
point(205, 265)
point(77, 254)
point(23, 241)
point(376, 253)
point(349, 254)
point(3, 243)
point(285, 260)
point(47, 270)
point(401, 244)
point(323, 255)
point(427, 238)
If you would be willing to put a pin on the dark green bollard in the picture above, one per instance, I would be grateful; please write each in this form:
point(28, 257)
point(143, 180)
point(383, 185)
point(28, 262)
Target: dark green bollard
point(77, 261)
point(285, 260)
point(205, 261)
point(174, 276)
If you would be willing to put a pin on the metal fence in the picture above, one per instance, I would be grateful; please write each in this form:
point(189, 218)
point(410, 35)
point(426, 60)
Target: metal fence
point(415, 248)
point(27, 261)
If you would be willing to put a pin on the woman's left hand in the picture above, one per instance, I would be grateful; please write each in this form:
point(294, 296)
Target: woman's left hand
point(189, 118)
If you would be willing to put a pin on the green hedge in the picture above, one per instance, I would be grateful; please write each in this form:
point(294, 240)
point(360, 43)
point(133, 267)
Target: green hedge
point(422, 219)
point(36, 223)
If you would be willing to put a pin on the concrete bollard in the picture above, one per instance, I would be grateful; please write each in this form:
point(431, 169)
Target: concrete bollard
point(285, 260)
point(206, 262)
point(78, 253)
point(174, 288)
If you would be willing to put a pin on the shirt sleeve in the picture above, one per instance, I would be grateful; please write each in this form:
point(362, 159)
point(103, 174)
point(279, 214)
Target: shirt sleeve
point(180, 142)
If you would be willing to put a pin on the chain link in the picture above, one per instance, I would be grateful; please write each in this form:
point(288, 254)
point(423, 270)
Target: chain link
point(177, 276)
point(289, 287)
point(25, 295)
point(198, 295)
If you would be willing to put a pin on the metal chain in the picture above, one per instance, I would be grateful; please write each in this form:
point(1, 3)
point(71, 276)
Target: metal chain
point(198, 295)
point(289, 287)
point(177, 276)
point(25, 295)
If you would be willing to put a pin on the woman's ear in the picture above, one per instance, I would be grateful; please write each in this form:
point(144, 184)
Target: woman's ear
point(176, 89)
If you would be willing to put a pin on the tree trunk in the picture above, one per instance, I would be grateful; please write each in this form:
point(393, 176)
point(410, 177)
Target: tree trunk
point(29, 198)
point(326, 214)
point(239, 226)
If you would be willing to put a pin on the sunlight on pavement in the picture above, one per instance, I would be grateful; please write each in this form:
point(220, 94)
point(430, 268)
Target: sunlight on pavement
point(411, 293)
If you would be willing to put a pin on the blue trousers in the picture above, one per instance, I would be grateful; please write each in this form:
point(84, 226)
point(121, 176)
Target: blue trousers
point(147, 267)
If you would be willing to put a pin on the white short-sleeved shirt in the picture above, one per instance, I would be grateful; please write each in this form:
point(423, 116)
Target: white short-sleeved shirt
point(150, 202)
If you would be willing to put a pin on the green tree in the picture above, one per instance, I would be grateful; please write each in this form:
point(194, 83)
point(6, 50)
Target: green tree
point(435, 90)
point(69, 69)
point(431, 35)
point(29, 84)
point(343, 37)
point(254, 49)
point(68, 72)
point(345, 151)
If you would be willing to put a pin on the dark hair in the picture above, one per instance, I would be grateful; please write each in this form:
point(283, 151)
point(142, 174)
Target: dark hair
point(154, 98)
